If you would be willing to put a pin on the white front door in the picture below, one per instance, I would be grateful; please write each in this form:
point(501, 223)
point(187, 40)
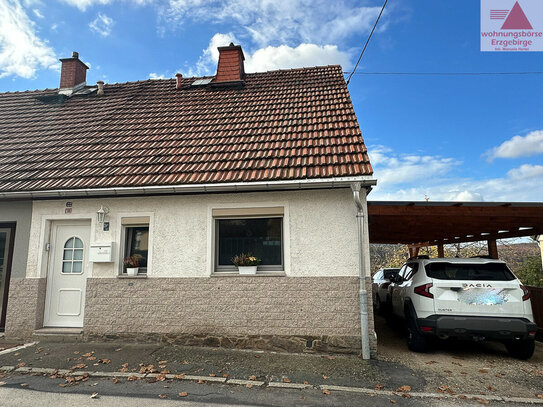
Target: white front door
point(67, 274)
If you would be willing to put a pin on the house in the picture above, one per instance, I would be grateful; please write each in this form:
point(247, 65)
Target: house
point(185, 173)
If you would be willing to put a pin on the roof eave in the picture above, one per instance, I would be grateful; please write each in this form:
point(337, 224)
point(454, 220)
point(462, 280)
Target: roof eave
point(320, 183)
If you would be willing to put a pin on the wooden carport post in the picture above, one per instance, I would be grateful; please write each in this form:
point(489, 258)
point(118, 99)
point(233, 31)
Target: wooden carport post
point(440, 250)
point(413, 251)
point(493, 249)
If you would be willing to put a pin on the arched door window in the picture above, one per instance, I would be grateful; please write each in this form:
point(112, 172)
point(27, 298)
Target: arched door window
point(72, 260)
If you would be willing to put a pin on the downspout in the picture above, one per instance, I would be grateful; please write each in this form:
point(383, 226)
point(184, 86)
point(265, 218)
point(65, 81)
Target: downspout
point(363, 266)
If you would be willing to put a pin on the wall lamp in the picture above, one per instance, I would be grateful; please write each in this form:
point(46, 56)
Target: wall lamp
point(102, 212)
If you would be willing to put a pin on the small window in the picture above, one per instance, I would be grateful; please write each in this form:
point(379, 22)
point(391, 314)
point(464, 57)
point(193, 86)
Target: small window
point(72, 258)
point(136, 243)
point(261, 237)
point(410, 270)
point(470, 272)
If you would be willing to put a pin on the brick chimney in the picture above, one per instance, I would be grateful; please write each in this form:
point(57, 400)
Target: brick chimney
point(73, 72)
point(230, 69)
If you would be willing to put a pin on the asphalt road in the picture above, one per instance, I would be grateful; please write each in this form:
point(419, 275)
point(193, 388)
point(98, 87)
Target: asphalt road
point(42, 391)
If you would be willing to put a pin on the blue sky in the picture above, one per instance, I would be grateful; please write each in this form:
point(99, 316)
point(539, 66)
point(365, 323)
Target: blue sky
point(445, 138)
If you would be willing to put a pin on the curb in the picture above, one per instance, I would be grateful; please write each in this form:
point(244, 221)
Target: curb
point(279, 385)
point(16, 348)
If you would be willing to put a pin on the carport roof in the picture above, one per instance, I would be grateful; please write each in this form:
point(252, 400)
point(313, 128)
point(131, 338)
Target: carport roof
point(433, 223)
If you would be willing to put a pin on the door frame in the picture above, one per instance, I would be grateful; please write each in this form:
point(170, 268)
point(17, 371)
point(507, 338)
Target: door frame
point(12, 226)
point(84, 222)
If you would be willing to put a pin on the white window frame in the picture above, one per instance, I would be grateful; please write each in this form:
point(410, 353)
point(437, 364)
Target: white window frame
point(122, 239)
point(250, 208)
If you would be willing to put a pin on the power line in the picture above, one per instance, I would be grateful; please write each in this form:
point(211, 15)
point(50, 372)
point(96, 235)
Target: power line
point(367, 41)
point(442, 73)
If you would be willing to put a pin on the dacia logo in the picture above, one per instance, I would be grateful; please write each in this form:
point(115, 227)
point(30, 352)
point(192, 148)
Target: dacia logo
point(478, 285)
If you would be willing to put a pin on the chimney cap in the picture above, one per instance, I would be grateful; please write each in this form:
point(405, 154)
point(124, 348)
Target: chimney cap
point(232, 47)
point(179, 75)
point(74, 57)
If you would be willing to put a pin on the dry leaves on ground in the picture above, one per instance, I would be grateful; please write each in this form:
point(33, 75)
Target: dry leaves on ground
point(124, 368)
point(20, 364)
point(179, 376)
point(539, 396)
point(252, 377)
point(183, 394)
point(286, 380)
point(115, 380)
point(480, 400)
point(404, 388)
point(88, 354)
point(327, 392)
point(104, 361)
point(162, 396)
point(379, 387)
point(445, 389)
point(79, 366)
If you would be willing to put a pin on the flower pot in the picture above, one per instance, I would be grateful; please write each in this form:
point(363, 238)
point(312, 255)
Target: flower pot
point(132, 271)
point(247, 269)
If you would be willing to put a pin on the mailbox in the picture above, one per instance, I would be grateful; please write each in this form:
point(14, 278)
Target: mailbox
point(101, 252)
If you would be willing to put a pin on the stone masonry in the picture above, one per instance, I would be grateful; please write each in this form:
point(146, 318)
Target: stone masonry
point(26, 302)
point(280, 313)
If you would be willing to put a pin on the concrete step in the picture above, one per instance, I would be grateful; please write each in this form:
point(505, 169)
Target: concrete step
point(58, 334)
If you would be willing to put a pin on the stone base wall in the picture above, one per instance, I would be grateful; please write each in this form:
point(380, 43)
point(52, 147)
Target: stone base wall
point(26, 302)
point(252, 312)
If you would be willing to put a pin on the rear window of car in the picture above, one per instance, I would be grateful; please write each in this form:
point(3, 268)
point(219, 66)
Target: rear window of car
point(391, 272)
point(456, 271)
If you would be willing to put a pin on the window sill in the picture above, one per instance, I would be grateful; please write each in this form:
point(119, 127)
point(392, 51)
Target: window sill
point(132, 277)
point(258, 274)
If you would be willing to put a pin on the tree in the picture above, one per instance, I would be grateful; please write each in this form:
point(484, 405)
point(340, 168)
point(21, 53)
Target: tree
point(530, 272)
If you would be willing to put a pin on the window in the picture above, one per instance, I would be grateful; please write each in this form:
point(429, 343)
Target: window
point(260, 236)
point(72, 259)
point(136, 241)
point(470, 272)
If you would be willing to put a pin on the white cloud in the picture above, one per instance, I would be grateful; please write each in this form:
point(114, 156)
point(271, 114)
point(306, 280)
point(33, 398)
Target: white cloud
point(269, 58)
point(519, 146)
point(84, 4)
point(102, 25)
point(277, 22)
point(154, 75)
point(37, 13)
point(22, 52)
point(412, 178)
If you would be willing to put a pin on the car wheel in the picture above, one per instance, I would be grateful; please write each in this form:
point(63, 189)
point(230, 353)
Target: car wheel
point(521, 349)
point(416, 342)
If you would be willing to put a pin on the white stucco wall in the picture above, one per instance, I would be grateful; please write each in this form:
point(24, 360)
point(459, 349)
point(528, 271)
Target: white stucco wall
point(320, 231)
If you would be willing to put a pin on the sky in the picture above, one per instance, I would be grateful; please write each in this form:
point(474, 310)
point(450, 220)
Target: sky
point(467, 138)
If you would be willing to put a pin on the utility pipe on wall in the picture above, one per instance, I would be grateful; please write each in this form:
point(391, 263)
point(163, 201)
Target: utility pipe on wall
point(363, 265)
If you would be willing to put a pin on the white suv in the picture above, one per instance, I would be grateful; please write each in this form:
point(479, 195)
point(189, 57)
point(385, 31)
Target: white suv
point(477, 298)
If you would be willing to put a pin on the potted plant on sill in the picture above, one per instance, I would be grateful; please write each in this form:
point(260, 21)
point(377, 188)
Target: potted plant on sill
point(131, 265)
point(246, 263)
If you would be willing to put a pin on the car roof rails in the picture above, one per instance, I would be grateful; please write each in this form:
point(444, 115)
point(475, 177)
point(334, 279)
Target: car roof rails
point(421, 257)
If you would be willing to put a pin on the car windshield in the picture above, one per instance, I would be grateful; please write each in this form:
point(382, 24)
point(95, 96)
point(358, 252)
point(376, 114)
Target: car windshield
point(463, 271)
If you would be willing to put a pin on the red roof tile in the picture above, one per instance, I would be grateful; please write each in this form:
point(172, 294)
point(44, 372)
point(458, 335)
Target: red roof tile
point(281, 125)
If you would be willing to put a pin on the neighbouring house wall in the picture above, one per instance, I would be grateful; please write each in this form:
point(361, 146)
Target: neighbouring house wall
point(315, 298)
point(19, 212)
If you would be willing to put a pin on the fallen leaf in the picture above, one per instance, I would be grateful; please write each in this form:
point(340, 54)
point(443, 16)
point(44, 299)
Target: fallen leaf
point(252, 377)
point(162, 362)
point(20, 364)
point(76, 352)
point(24, 384)
point(161, 377)
point(463, 397)
point(165, 372)
point(480, 400)
point(324, 377)
point(393, 401)
point(200, 381)
point(406, 395)
point(115, 380)
point(162, 396)
point(91, 358)
point(306, 382)
point(179, 376)
point(249, 385)
point(225, 375)
point(104, 361)
point(94, 396)
point(79, 366)
point(379, 387)
point(404, 388)
point(88, 354)
point(132, 378)
point(185, 362)
point(286, 380)
point(212, 375)
point(183, 394)
point(162, 366)
point(539, 396)
point(327, 392)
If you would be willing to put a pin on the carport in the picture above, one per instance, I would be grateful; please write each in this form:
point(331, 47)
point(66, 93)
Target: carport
point(422, 224)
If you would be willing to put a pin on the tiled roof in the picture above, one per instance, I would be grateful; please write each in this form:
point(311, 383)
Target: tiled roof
point(282, 125)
